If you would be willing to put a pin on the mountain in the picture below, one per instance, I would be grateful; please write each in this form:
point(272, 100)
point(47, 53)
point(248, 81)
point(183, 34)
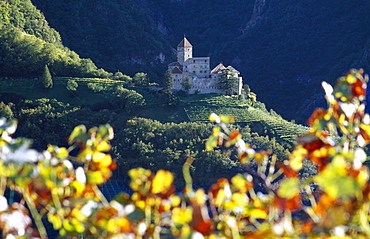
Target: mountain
point(283, 49)
point(116, 35)
point(28, 43)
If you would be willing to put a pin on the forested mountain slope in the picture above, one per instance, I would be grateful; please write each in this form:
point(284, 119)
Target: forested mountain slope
point(275, 44)
point(116, 35)
point(28, 43)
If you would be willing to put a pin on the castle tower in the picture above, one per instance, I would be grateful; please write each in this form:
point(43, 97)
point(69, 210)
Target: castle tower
point(184, 51)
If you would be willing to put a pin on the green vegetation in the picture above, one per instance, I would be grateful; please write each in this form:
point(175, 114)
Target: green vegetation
point(279, 46)
point(177, 125)
point(27, 44)
point(140, 79)
point(116, 35)
point(227, 82)
point(267, 199)
point(46, 80)
point(167, 80)
point(72, 85)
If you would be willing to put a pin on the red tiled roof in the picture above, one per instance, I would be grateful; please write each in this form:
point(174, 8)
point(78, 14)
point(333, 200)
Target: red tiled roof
point(174, 64)
point(176, 70)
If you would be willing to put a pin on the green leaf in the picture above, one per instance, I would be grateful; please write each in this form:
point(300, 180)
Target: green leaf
point(289, 188)
point(211, 142)
point(78, 133)
point(336, 182)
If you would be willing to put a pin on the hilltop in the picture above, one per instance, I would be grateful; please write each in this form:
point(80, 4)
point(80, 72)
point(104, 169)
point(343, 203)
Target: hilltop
point(283, 49)
point(153, 129)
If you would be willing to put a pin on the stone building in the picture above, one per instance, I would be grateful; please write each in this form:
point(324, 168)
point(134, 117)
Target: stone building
point(202, 79)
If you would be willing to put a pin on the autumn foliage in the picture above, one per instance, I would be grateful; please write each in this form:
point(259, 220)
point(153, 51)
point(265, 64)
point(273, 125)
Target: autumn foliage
point(268, 201)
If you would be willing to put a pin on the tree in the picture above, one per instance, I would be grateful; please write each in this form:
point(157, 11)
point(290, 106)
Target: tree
point(46, 80)
point(186, 84)
point(251, 95)
point(5, 111)
point(227, 82)
point(128, 99)
point(140, 79)
point(168, 80)
point(72, 87)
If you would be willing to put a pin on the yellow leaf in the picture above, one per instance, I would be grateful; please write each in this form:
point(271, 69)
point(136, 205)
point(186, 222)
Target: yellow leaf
point(289, 188)
point(351, 78)
point(211, 143)
point(55, 220)
point(181, 216)
point(200, 196)
point(103, 159)
point(228, 119)
point(103, 146)
point(95, 177)
point(336, 182)
point(258, 213)
point(78, 186)
point(214, 118)
point(162, 182)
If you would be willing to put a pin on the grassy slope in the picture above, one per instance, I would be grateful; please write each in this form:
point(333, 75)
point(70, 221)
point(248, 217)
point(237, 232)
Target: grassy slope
point(191, 108)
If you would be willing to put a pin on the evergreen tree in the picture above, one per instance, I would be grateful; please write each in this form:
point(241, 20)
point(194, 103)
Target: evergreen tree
point(140, 79)
point(186, 84)
point(168, 80)
point(47, 81)
point(228, 82)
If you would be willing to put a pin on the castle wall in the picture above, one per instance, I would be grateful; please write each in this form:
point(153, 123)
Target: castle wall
point(198, 65)
point(198, 70)
point(183, 54)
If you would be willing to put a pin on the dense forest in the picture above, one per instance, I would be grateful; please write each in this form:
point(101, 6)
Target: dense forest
point(278, 46)
point(28, 43)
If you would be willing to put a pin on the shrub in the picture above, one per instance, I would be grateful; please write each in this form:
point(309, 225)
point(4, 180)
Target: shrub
point(5, 111)
point(95, 87)
point(72, 85)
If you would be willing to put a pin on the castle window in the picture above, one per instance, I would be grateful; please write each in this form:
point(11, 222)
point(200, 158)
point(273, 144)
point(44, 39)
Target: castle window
point(193, 71)
point(194, 60)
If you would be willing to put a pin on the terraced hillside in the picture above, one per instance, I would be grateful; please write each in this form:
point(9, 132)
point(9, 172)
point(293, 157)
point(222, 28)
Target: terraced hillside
point(198, 108)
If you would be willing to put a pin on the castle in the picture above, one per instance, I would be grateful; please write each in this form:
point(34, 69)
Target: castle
point(197, 69)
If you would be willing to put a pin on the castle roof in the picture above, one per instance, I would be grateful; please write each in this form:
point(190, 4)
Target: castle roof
point(176, 63)
point(233, 69)
point(184, 43)
point(176, 70)
point(218, 68)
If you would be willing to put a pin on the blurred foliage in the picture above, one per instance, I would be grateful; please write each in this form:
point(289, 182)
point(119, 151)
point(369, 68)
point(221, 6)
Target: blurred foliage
point(268, 200)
